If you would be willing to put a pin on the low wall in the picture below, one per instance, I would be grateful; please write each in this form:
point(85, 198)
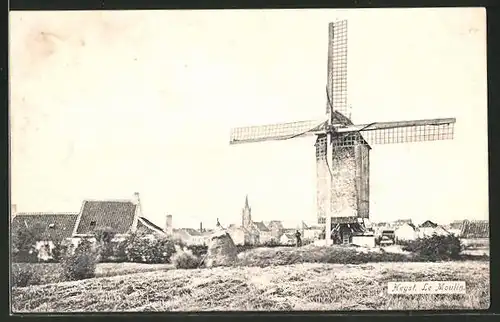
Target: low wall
point(365, 241)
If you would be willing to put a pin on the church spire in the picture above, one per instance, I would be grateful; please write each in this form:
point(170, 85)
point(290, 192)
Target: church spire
point(246, 202)
point(246, 214)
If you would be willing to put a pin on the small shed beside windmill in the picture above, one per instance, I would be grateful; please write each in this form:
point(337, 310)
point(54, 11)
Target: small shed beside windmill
point(405, 232)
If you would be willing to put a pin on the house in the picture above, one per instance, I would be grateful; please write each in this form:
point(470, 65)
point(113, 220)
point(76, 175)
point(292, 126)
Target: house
point(406, 232)
point(276, 227)
point(428, 224)
point(475, 229)
point(310, 232)
point(191, 236)
point(121, 216)
point(264, 233)
point(52, 227)
point(241, 236)
point(259, 231)
point(401, 222)
point(456, 224)
point(455, 227)
point(426, 232)
point(288, 239)
point(426, 229)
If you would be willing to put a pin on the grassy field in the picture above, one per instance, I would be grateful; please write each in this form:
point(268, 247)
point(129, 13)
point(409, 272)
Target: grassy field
point(306, 286)
point(52, 272)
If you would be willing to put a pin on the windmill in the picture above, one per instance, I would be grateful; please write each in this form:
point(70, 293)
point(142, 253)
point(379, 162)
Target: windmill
point(342, 147)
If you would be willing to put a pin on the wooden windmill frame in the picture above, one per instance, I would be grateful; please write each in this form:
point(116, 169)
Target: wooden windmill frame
point(343, 148)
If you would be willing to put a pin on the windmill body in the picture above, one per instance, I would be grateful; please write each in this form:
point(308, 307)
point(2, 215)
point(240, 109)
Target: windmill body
point(343, 148)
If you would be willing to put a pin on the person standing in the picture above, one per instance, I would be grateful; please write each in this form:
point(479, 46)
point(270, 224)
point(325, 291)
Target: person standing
point(299, 240)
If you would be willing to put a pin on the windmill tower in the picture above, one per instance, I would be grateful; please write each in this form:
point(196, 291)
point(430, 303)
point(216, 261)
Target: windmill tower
point(343, 148)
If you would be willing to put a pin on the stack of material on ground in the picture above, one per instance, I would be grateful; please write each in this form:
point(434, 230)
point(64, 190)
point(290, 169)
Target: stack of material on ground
point(221, 250)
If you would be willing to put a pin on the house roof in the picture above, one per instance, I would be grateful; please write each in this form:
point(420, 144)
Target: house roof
point(275, 224)
point(260, 226)
point(407, 224)
point(428, 223)
point(475, 229)
point(456, 224)
point(189, 231)
point(150, 225)
point(289, 235)
point(235, 227)
point(403, 221)
point(53, 226)
point(118, 215)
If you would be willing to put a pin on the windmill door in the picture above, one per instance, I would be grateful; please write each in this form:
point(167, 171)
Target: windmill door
point(346, 237)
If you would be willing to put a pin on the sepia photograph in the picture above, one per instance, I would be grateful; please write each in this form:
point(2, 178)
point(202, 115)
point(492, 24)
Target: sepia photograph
point(248, 160)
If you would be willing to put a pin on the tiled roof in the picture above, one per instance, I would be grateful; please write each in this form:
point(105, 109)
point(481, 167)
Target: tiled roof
point(118, 215)
point(147, 223)
point(260, 226)
point(54, 226)
point(475, 229)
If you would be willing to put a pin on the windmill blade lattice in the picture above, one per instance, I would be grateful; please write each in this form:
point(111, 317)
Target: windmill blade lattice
point(337, 68)
point(279, 131)
point(416, 133)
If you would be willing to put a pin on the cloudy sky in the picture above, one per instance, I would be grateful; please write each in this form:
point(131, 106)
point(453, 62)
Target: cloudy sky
point(104, 104)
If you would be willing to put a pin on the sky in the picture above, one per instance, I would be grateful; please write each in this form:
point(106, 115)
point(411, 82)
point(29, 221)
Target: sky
point(105, 104)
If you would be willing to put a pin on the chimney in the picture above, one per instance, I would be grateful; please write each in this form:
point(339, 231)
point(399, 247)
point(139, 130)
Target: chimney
point(135, 199)
point(201, 227)
point(168, 227)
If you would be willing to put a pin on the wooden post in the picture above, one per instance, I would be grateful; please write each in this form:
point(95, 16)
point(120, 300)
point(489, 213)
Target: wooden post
point(328, 187)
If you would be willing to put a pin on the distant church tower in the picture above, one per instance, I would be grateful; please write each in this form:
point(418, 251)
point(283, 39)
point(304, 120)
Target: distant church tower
point(246, 214)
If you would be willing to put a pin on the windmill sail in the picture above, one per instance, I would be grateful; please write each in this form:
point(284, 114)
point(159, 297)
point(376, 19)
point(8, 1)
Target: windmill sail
point(279, 131)
point(400, 132)
point(337, 68)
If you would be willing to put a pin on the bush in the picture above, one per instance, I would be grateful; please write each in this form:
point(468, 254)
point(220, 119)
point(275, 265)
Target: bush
point(24, 275)
point(59, 251)
point(316, 254)
point(25, 256)
point(185, 259)
point(118, 252)
point(271, 243)
point(198, 250)
point(141, 249)
point(82, 263)
point(104, 237)
point(435, 248)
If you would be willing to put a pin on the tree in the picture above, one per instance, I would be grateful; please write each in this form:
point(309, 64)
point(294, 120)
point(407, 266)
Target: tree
point(104, 237)
point(24, 240)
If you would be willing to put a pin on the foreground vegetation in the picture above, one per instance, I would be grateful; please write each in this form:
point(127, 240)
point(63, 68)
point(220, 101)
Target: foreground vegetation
point(25, 274)
point(308, 286)
point(85, 261)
